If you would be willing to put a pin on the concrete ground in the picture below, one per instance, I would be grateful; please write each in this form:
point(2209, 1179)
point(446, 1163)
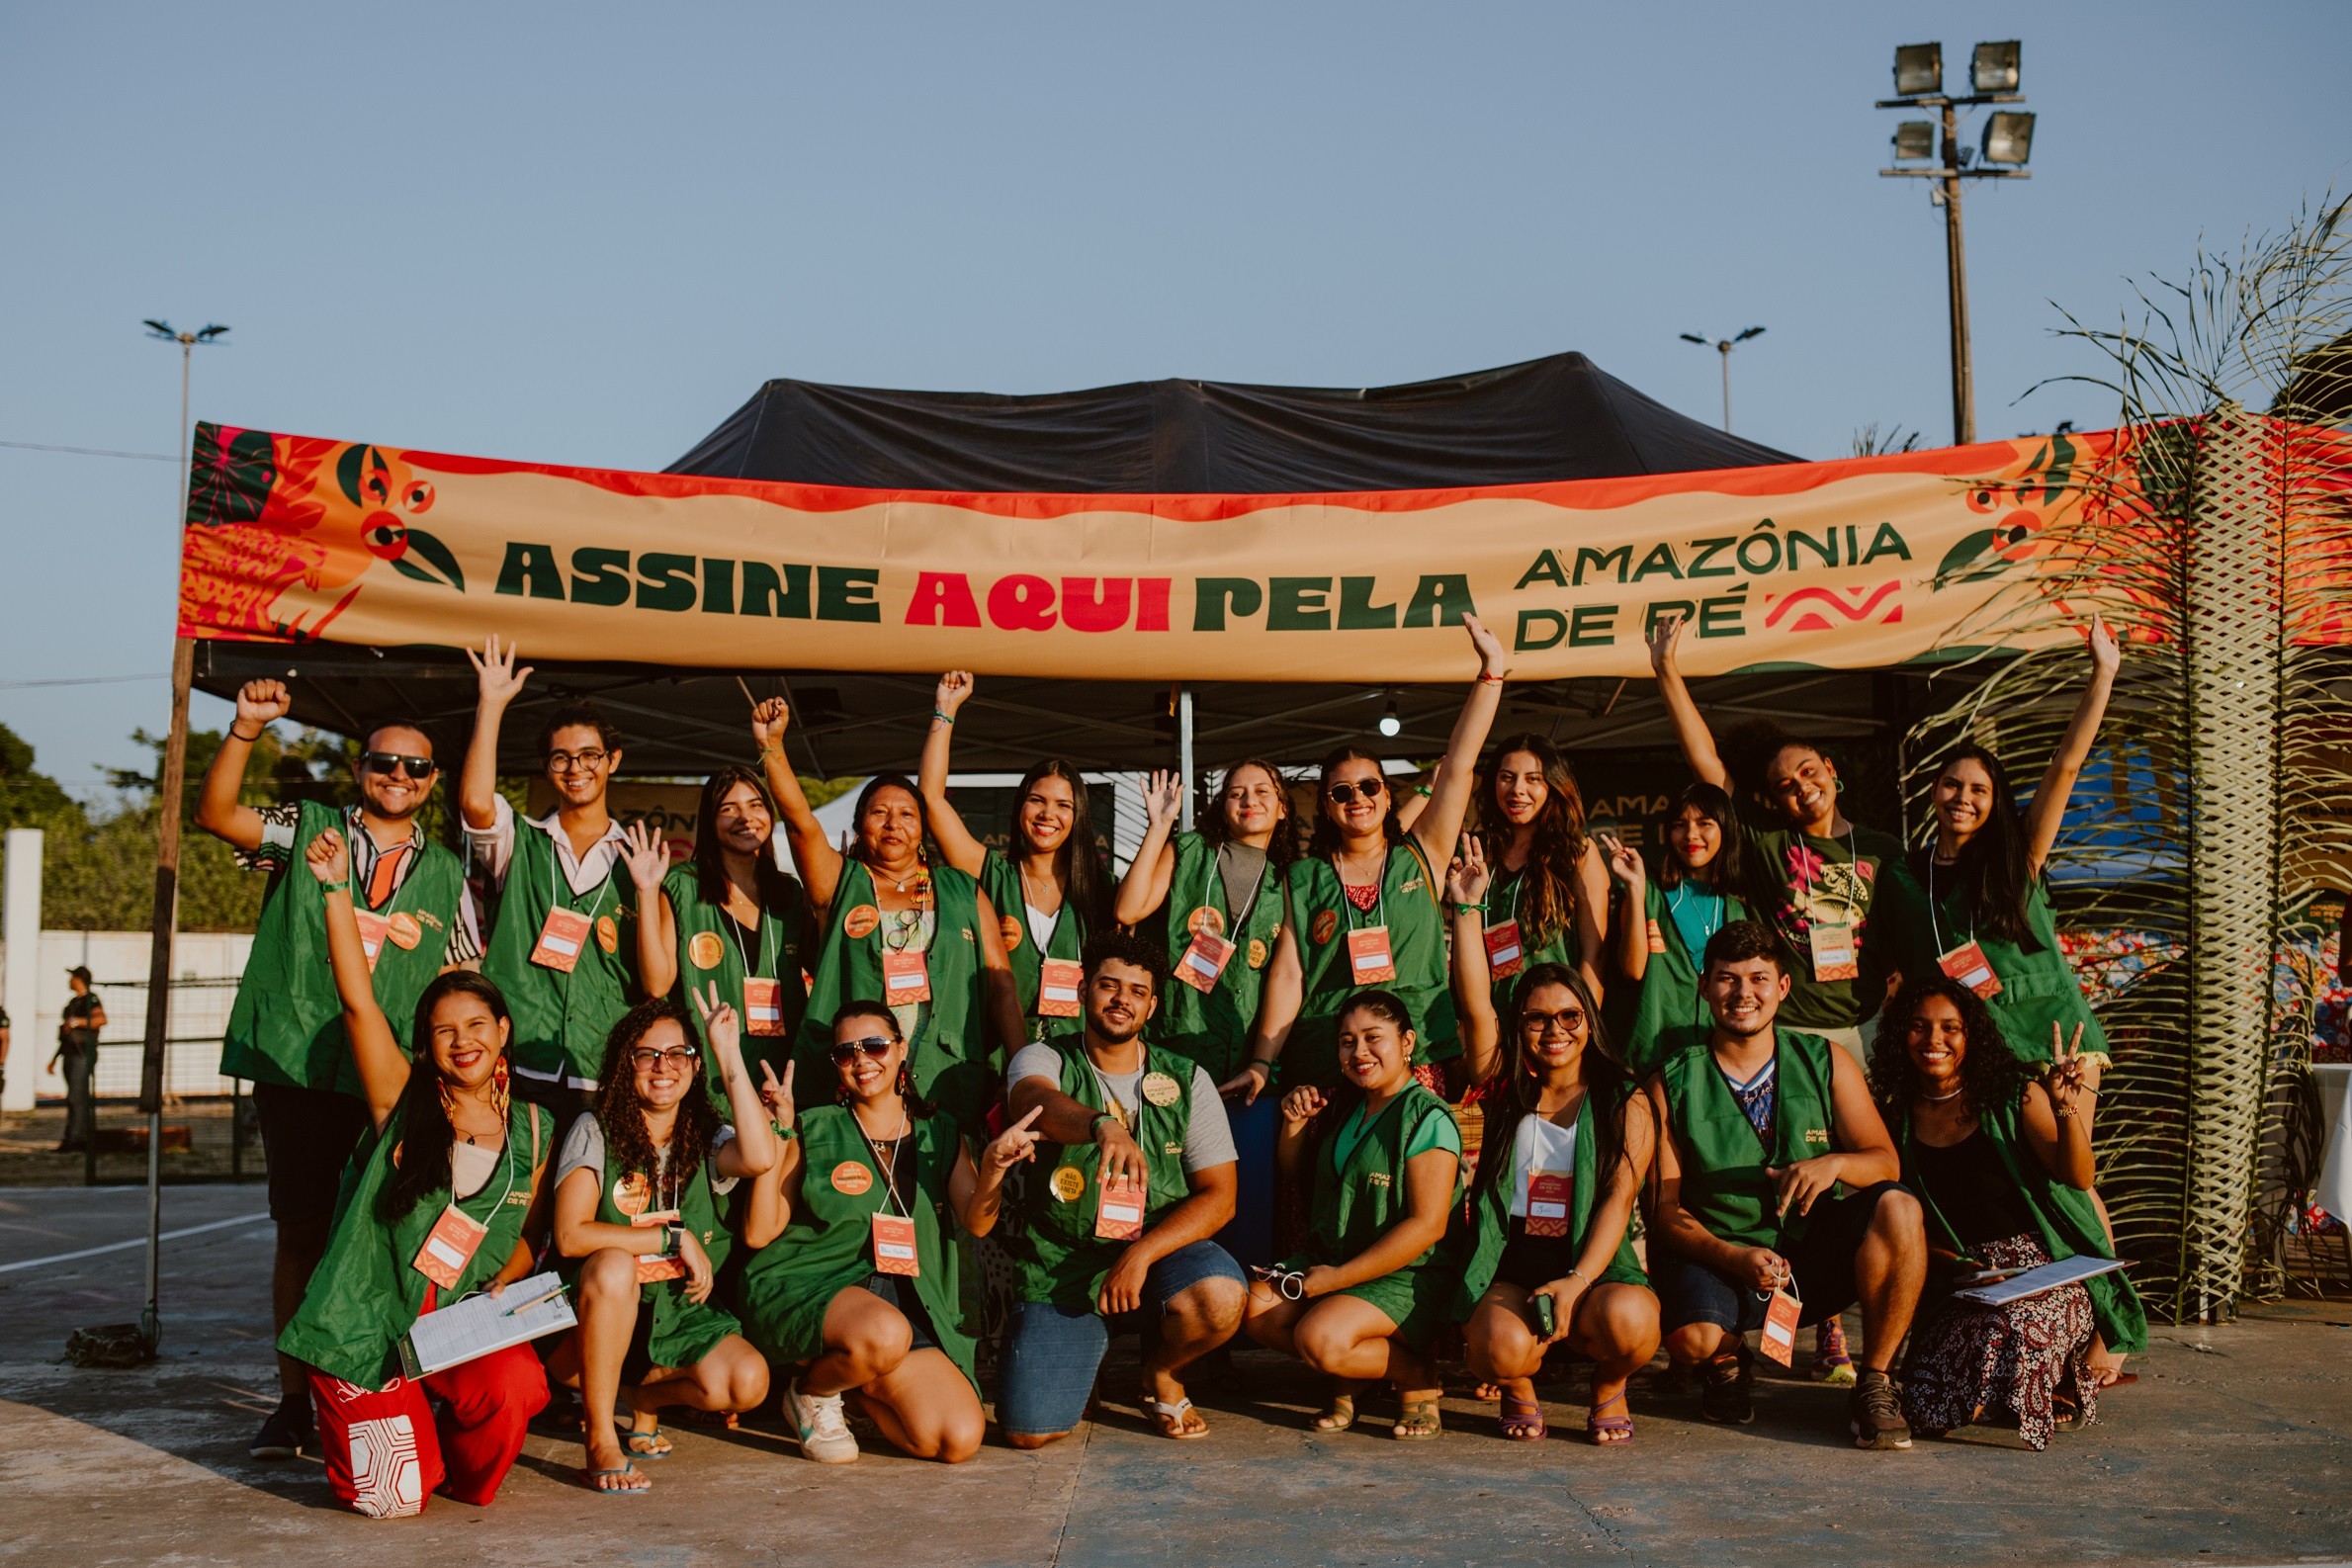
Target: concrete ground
point(2235, 1446)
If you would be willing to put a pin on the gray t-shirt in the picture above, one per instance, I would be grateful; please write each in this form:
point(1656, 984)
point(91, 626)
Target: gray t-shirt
point(1208, 1139)
point(583, 1148)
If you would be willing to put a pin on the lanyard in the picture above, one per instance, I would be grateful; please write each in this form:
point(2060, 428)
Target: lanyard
point(554, 896)
point(896, 935)
point(1674, 907)
point(889, 1167)
point(1020, 869)
point(1379, 890)
point(505, 1158)
point(1935, 922)
point(1853, 859)
point(1217, 879)
point(734, 933)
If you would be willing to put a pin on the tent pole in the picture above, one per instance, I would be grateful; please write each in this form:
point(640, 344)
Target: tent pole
point(166, 917)
point(1185, 752)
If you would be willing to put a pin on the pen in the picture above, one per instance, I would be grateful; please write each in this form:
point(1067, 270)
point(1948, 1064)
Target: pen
point(534, 1301)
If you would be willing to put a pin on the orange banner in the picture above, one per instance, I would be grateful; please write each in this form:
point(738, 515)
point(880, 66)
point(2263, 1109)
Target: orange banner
point(1866, 562)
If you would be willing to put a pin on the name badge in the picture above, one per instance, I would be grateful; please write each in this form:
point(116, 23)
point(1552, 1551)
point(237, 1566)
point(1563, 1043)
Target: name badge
point(448, 1247)
point(903, 978)
point(1968, 964)
point(763, 1006)
point(1549, 1196)
point(894, 1246)
point(560, 940)
point(372, 928)
point(1118, 1217)
point(1204, 960)
point(1504, 955)
point(1057, 980)
point(1779, 1338)
point(1835, 956)
point(1368, 957)
point(662, 1265)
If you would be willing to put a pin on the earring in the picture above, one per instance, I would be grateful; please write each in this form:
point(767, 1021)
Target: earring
point(500, 1097)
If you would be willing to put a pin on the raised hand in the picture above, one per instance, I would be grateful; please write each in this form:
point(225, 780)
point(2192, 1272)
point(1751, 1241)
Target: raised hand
point(1013, 1144)
point(262, 702)
point(1301, 1105)
point(497, 680)
point(1467, 878)
point(647, 855)
point(1665, 632)
point(953, 688)
point(1162, 795)
point(776, 1094)
point(328, 857)
point(1624, 861)
point(2106, 655)
point(769, 722)
point(718, 1021)
point(1490, 650)
point(2063, 1080)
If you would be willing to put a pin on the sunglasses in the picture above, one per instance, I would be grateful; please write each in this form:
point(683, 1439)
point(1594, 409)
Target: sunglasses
point(1568, 1019)
point(391, 763)
point(1370, 789)
point(876, 1046)
point(655, 1056)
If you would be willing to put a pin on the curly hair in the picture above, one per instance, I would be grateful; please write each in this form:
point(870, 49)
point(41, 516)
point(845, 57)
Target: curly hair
point(1992, 1076)
point(1558, 843)
point(622, 1114)
point(1286, 845)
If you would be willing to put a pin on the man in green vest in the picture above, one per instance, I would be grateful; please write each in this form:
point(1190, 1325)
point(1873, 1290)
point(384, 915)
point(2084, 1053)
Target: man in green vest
point(564, 946)
point(1764, 1124)
point(286, 1028)
point(1134, 1172)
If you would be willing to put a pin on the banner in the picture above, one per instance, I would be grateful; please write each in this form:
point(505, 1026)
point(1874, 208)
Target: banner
point(1867, 562)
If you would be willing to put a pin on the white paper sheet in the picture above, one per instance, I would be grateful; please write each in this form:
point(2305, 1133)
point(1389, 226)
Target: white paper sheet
point(2034, 1281)
point(474, 1327)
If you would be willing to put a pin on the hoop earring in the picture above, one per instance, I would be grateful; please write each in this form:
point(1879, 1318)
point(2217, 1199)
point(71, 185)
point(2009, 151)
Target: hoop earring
point(905, 1080)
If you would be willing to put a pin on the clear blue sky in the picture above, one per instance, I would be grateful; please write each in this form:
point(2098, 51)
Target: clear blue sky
point(585, 234)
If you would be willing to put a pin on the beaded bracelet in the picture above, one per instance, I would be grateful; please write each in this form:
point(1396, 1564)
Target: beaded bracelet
point(943, 715)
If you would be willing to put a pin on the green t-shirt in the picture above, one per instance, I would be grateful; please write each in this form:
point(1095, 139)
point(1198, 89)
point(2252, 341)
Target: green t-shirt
point(1804, 882)
point(1434, 1132)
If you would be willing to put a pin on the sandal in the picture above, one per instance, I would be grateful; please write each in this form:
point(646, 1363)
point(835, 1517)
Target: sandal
point(593, 1480)
point(649, 1435)
point(1338, 1415)
point(1179, 1420)
point(1418, 1421)
point(1521, 1419)
point(1609, 1431)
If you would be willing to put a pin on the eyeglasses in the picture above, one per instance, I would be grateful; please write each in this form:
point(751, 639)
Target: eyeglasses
point(1370, 789)
point(876, 1046)
point(656, 1055)
point(587, 762)
point(1569, 1020)
point(389, 762)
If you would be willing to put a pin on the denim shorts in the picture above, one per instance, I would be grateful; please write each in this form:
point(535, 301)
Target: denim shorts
point(1822, 1266)
point(1050, 1355)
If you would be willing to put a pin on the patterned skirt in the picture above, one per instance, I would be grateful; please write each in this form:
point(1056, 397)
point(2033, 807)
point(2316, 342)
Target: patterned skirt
point(1974, 1362)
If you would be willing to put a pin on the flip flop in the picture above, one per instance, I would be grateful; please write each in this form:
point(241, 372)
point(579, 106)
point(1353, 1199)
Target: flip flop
point(589, 1477)
point(1595, 1424)
point(632, 1436)
point(1521, 1419)
point(1176, 1413)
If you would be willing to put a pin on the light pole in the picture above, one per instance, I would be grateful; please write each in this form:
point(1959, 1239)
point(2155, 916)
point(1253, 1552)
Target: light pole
point(1724, 346)
point(2007, 143)
point(167, 873)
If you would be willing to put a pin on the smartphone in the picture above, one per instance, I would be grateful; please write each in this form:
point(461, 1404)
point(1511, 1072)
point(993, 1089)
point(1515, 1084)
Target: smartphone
point(1547, 1316)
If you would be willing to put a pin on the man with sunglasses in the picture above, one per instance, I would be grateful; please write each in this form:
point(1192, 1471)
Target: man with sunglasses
point(285, 1029)
point(564, 945)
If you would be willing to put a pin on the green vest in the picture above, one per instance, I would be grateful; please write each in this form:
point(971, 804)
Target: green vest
point(365, 1296)
point(1668, 1000)
point(953, 1067)
point(828, 1245)
point(1483, 1228)
point(287, 1024)
point(681, 1332)
point(1000, 880)
point(1052, 1243)
point(1356, 1204)
point(2064, 1217)
point(1724, 1184)
point(1214, 1029)
point(1319, 912)
point(705, 932)
point(1504, 901)
point(561, 1020)
point(2039, 987)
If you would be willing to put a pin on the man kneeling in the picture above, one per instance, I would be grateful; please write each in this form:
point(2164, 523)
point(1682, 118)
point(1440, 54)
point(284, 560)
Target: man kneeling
point(1763, 1123)
point(1133, 1173)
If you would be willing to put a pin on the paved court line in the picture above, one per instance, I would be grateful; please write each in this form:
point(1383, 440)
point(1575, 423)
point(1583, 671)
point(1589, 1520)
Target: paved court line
point(136, 1241)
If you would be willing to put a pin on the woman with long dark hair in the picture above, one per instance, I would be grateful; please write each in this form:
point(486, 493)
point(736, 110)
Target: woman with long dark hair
point(2001, 1162)
point(445, 1136)
point(1221, 888)
point(1986, 920)
point(1048, 885)
point(636, 1224)
point(1382, 1157)
point(731, 917)
point(1361, 908)
point(855, 1273)
point(1668, 922)
point(924, 938)
point(1550, 894)
point(1546, 1237)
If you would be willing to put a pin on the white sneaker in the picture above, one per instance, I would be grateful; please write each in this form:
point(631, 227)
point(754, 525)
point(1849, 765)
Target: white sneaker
point(823, 1429)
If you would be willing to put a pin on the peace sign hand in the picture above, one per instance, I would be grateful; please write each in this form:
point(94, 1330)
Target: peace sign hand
point(1466, 878)
point(2063, 1080)
point(1624, 861)
point(720, 1022)
point(776, 1094)
point(1013, 1144)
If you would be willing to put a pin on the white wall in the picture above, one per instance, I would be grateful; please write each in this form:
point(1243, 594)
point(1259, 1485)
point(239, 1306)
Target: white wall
point(205, 970)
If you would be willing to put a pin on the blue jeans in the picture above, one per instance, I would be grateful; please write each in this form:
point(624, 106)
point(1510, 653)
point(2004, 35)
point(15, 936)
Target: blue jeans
point(1249, 1234)
point(1050, 1355)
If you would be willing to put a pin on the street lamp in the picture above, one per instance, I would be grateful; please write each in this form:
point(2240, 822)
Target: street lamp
point(1724, 346)
point(2000, 155)
point(189, 343)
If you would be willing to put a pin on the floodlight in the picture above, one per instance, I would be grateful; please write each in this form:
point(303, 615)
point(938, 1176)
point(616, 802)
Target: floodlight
point(1390, 724)
point(2009, 139)
point(1918, 69)
point(1993, 68)
point(1915, 139)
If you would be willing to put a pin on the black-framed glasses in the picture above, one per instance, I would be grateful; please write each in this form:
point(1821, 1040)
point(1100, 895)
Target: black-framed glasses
point(1370, 789)
point(588, 762)
point(654, 1055)
point(387, 763)
point(1569, 1020)
point(876, 1046)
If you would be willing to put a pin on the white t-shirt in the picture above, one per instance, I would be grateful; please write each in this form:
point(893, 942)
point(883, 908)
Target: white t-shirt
point(583, 1148)
point(1538, 1145)
point(1041, 924)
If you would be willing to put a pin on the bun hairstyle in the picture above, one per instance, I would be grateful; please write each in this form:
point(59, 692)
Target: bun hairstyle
point(1380, 1004)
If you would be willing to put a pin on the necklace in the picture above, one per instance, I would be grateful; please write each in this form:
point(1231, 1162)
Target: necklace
point(1938, 1100)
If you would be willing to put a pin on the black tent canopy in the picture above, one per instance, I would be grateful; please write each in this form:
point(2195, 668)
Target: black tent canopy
point(1549, 419)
